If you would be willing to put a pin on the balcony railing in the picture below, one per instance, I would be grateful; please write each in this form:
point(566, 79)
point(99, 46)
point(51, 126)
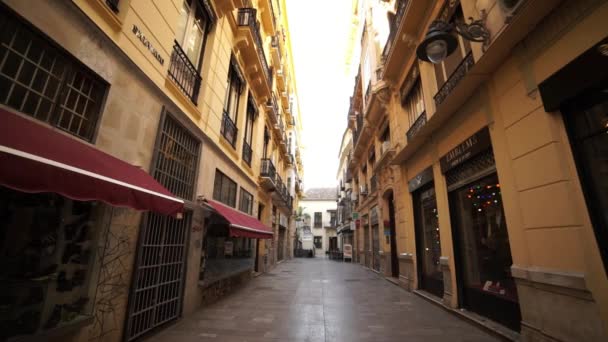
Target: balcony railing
point(373, 183)
point(416, 127)
point(184, 73)
point(247, 17)
point(228, 129)
point(268, 170)
point(247, 152)
point(458, 74)
point(394, 26)
point(113, 4)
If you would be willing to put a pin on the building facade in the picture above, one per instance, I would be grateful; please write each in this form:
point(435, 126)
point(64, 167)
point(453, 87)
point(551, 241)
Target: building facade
point(319, 227)
point(484, 167)
point(196, 101)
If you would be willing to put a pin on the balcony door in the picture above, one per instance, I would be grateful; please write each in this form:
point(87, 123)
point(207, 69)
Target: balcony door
point(192, 29)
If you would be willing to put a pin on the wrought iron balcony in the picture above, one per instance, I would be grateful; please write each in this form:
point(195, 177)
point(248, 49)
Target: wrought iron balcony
point(268, 174)
point(229, 129)
point(394, 26)
point(416, 127)
point(184, 73)
point(458, 74)
point(247, 152)
point(247, 17)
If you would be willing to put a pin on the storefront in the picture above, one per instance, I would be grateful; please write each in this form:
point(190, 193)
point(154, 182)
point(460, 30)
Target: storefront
point(58, 197)
point(229, 244)
point(481, 242)
point(426, 222)
point(580, 91)
point(367, 251)
point(375, 230)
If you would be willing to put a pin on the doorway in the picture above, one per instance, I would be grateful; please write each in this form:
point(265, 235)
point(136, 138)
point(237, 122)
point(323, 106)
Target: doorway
point(157, 291)
point(393, 236)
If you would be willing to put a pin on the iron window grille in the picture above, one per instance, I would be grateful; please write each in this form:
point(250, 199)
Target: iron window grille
point(246, 202)
point(224, 189)
point(177, 155)
point(184, 73)
point(42, 81)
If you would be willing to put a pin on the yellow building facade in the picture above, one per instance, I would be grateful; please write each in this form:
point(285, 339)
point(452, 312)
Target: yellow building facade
point(478, 158)
point(201, 94)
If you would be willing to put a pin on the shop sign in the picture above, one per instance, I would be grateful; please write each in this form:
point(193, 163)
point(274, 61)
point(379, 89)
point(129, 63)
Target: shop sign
point(475, 144)
point(421, 179)
point(353, 226)
point(348, 251)
point(146, 43)
point(355, 215)
point(373, 216)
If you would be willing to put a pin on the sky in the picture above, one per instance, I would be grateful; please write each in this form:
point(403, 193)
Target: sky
point(319, 32)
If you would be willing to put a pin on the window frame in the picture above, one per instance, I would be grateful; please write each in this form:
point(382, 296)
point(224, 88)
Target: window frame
point(72, 66)
point(246, 194)
point(218, 193)
point(318, 223)
point(193, 5)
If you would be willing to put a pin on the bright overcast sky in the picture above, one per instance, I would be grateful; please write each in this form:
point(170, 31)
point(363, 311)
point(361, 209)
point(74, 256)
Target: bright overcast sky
point(319, 34)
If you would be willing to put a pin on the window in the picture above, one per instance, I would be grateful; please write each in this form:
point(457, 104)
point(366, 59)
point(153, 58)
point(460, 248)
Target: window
point(224, 189)
point(246, 203)
point(44, 82)
point(231, 102)
point(192, 29)
point(48, 254)
point(318, 220)
point(251, 115)
point(318, 242)
point(413, 102)
point(332, 218)
point(176, 157)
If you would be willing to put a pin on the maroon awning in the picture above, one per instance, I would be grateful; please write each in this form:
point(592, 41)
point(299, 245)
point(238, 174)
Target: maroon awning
point(241, 224)
point(34, 158)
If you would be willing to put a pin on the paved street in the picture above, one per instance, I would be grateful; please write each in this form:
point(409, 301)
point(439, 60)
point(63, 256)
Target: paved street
point(322, 300)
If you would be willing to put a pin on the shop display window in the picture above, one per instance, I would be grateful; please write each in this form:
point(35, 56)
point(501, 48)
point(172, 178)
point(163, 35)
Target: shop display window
point(427, 230)
point(224, 256)
point(484, 242)
point(48, 272)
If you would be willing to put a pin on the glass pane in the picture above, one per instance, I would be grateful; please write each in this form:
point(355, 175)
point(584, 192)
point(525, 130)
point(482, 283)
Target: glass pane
point(429, 235)
point(181, 23)
point(484, 241)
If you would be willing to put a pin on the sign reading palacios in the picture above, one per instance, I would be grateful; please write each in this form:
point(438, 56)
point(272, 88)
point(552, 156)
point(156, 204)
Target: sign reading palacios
point(142, 38)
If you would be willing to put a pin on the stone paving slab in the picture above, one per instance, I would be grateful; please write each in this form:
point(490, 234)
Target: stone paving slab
point(321, 300)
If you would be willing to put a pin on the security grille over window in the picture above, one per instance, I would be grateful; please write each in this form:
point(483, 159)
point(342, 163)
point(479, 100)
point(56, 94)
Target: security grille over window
point(176, 158)
point(477, 167)
point(42, 81)
point(157, 294)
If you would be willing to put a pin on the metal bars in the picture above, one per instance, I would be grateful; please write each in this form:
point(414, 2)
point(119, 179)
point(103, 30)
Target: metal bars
point(160, 269)
point(176, 159)
point(184, 73)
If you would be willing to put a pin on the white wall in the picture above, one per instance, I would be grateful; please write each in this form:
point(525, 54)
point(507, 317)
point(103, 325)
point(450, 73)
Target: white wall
point(312, 206)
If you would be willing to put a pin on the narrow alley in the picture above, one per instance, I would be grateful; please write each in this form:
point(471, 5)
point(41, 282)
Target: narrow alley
point(321, 300)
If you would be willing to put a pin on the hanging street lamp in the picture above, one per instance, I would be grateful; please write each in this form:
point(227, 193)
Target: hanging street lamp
point(440, 42)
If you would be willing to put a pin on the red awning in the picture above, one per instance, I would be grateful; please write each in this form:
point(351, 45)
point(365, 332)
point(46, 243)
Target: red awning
point(241, 224)
point(34, 158)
